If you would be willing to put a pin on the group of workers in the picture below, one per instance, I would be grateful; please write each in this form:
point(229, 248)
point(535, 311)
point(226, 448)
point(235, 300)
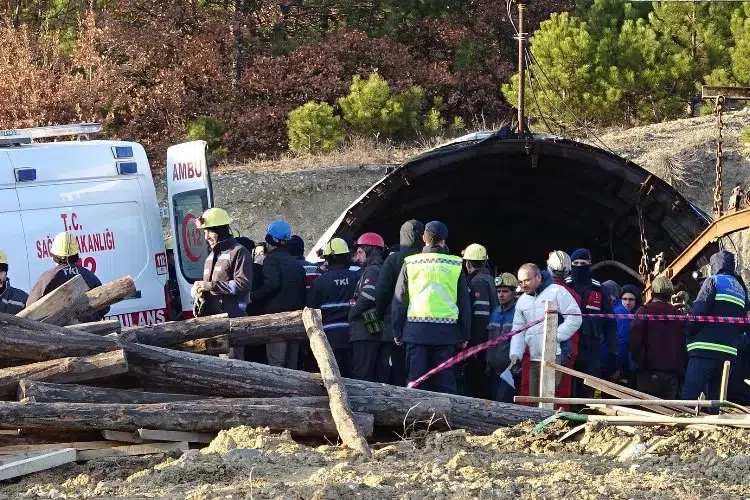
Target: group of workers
point(391, 316)
point(65, 255)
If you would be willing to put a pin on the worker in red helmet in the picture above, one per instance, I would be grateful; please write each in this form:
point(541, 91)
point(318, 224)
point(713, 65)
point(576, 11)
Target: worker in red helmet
point(365, 326)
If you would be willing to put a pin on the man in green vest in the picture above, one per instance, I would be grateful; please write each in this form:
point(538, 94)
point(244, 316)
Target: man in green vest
point(431, 310)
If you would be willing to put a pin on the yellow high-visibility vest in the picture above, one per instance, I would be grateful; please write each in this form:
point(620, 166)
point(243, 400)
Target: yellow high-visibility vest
point(433, 287)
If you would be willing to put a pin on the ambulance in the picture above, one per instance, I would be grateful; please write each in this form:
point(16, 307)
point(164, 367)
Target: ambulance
point(103, 192)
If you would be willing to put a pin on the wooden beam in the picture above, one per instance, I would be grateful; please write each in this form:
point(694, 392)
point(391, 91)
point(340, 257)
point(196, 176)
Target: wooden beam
point(267, 329)
point(37, 463)
point(64, 370)
point(622, 402)
point(725, 380)
point(104, 327)
point(132, 450)
point(734, 93)
point(59, 306)
point(78, 445)
point(177, 332)
point(46, 392)
point(122, 436)
point(343, 416)
point(190, 437)
point(549, 353)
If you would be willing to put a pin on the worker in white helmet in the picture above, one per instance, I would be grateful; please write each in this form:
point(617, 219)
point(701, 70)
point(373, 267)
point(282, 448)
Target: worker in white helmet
point(65, 255)
point(12, 300)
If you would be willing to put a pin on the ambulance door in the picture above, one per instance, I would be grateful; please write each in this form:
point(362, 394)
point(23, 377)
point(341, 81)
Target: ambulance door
point(189, 194)
point(13, 240)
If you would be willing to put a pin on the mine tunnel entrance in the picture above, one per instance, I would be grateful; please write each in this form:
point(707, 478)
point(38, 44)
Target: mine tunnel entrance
point(522, 198)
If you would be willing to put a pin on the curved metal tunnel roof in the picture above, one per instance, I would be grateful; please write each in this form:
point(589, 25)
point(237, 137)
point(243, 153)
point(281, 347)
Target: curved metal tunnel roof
point(522, 198)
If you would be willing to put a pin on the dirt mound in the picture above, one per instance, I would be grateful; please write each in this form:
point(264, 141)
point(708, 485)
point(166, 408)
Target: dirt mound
point(592, 464)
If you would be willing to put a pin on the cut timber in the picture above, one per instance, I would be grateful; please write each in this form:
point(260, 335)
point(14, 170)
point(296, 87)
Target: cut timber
point(200, 374)
point(78, 445)
point(61, 305)
point(22, 338)
point(64, 370)
point(343, 416)
point(177, 332)
point(44, 392)
point(123, 436)
point(37, 463)
point(190, 437)
point(621, 402)
point(186, 416)
point(267, 329)
point(212, 345)
point(725, 380)
point(606, 389)
point(132, 450)
point(104, 327)
point(549, 351)
point(104, 296)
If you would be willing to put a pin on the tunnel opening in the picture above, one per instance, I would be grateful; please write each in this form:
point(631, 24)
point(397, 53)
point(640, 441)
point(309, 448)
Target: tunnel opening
point(522, 198)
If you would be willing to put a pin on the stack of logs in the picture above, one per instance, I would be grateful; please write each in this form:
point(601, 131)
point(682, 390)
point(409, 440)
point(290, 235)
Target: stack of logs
point(166, 378)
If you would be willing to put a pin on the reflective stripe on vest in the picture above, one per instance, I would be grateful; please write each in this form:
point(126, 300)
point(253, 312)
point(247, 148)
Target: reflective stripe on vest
point(432, 281)
point(729, 289)
point(710, 346)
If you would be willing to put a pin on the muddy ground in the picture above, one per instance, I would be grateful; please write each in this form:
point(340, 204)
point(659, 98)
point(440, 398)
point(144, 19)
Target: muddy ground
point(596, 463)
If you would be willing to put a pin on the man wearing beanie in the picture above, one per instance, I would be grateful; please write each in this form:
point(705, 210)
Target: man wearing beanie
point(658, 347)
point(296, 248)
point(12, 300)
point(593, 331)
point(431, 309)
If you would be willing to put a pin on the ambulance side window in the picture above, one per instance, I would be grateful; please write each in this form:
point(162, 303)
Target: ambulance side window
point(191, 247)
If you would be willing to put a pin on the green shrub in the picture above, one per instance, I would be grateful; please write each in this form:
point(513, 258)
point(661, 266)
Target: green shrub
point(208, 129)
point(313, 127)
point(457, 126)
point(745, 136)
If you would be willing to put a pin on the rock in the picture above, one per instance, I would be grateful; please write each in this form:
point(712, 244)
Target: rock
point(242, 454)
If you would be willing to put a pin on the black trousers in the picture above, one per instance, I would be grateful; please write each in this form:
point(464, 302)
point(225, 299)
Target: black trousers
point(421, 358)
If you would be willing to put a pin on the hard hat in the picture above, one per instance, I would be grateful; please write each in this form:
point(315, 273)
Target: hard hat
point(702, 273)
point(280, 230)
point(235, 233)
point(506, 280)
point(558, 262)
point(662, 285)
point(213, 217)
point(169, 243)
point(336, 246)
point(475, 251)
point(64, 245)
point(371, 239)
point(3, 258)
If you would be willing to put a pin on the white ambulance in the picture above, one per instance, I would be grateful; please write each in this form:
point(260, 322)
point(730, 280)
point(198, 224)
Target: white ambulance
point(103, 192)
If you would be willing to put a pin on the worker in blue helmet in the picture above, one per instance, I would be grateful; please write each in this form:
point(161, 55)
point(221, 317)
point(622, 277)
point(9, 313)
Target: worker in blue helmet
point(283, 289)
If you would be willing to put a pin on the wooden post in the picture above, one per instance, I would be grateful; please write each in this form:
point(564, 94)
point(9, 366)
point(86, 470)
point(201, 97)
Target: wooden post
point(350, 433)
point(549, 353)
point(59, 306)
point(725, 381)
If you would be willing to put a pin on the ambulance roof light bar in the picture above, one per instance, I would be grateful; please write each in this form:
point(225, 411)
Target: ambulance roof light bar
point(27, 135)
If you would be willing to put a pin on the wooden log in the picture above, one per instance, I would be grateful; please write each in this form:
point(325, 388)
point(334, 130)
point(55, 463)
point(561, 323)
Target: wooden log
point(179, 416)
point(177, 332)
point(64, 370)
point(22, 338)
point(329, 371)
point(549, 353)
point(132, 450)
point(104, 296)
point(212, 345)
point(37, 463)
point(104, 327)
point(59, 306)
point(199, 374)
point(45, 392)
point(267, 329)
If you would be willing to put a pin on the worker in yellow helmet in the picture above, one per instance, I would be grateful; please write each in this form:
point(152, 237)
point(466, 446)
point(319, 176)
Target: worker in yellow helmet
point(65, 255)
point(473, 378)
point(12, 300)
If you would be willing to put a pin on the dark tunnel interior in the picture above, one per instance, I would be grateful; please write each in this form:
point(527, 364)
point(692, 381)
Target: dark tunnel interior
point(524, 198)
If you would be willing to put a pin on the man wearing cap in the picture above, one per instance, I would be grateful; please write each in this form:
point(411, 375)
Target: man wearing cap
point(431, 309)
point(331, 293)
point(366, 329)
point(483, 301)
point(658, 347)
point(410, 243)
point(227, 272)
point(501, 323)
point(283, 289)
point(12, 300)
point(593, 331)
point(65, 256)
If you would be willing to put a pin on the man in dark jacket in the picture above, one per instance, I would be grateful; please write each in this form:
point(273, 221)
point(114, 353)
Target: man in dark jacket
point(365, 326)
point(12, 300)
point(501, 323)
point(283, 289)
point(331, 293)
point(476, 382)
point(658, 347)
point(431, 310)
point(710, 344)
point(593, 331)
point(410, 243)
point(65, 255)
point(296, 247)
